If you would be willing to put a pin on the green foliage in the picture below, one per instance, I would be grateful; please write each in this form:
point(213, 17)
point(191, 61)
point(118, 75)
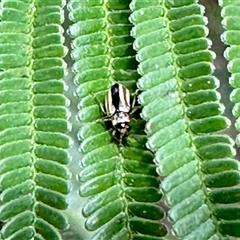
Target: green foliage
point(33, 120)
point(120, 182)
point(181, 108)
point(159, 47)
point(229, 215)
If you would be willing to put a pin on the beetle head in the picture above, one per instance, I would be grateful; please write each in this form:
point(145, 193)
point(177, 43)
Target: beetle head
point(123, 128)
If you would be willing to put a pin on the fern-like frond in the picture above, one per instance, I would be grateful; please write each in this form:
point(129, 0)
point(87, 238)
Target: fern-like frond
point(33, 120)
point(182, 110)
point(120, 182)
point(228, 211)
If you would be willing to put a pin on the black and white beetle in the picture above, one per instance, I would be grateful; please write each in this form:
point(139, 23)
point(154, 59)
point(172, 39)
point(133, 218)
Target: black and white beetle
point(118, 108)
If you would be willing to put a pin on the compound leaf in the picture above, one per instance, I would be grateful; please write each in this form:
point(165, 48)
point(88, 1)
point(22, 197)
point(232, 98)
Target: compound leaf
point(120, 181)
point(183, 114)
point(33, 145)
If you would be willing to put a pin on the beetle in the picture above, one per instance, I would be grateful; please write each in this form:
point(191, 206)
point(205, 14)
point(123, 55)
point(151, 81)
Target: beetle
point(117, 109)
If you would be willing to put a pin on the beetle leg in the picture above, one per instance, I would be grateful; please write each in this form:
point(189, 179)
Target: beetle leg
point(114, 135)
point(135, 109)
point(104, 119)
point(102, 107)
point(135, 94)
point(99, 103)
point(134, 100)
point(107, 118)
point(120, 140)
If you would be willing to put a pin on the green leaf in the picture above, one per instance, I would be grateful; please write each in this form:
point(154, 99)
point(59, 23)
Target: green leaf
point(120, 182)
point(183, 113)
point(33, 120)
